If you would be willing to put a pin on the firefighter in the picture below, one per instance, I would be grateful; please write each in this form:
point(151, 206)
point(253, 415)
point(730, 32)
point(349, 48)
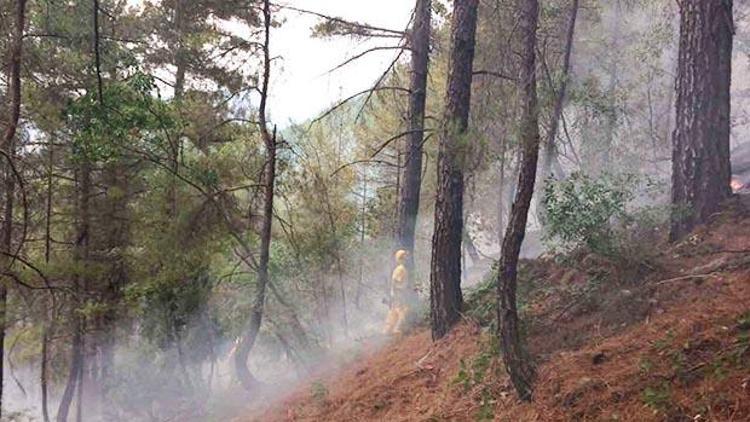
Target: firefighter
point(399, 285)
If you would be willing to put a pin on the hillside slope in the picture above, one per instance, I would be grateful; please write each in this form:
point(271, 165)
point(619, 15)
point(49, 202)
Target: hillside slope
point(668, 343)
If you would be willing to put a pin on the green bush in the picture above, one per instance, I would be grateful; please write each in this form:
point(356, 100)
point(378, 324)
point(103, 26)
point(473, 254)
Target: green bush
point(599, 214)
point(580, 210)
point(319, 392)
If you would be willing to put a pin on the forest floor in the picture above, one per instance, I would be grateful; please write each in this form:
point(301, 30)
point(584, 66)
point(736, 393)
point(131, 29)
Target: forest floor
point(665, 339)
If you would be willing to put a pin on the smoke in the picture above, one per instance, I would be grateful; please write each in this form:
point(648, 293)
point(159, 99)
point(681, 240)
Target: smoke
point(190, 376)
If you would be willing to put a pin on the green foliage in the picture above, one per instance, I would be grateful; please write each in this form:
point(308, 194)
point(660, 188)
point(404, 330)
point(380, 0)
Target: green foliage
point(478, 368)
point(580, 210)
point(477, 374)
point(481, 300)
point(129, 113)
point(183, 292)
point(658, 398)
point(743, 322)
point(599, 214)
point(645, 366)
point(319, 392)
point(742, 342)
point(663, 344)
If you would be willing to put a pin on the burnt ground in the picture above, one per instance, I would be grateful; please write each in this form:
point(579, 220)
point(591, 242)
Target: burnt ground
point(668, 341)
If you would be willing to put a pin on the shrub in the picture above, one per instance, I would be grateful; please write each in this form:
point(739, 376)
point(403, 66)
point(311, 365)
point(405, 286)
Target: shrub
point(319, 392)
point(579, 211)
point(599, 214)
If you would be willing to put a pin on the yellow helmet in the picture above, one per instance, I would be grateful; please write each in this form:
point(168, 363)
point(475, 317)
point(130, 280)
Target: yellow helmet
point(401, 255)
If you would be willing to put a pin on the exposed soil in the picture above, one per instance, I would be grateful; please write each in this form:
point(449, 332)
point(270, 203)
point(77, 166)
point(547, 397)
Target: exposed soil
point(671, 343)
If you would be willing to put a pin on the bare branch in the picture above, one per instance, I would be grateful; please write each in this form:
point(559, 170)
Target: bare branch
point(495, 74)
point(364, 53)
point(386, 32)
point(379, 81)
point(394, 138)
point(351, 97)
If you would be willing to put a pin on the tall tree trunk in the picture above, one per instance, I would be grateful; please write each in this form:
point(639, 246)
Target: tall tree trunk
point(363, 227)
point(700, 155)
point(604, 154)
point(419, 42)
point(81, 258)
point(471, 248)
point(550, 156)
point(81, 368)
point(117, 196)
point(8, 148)
point(269, 179)
point(445, 269)
point(517, 363)
point(175, 142)
point(179, 57)
point(43, 377)
point(502, 179)
point(81, 250)
point(76, 364)
point(550, 146)
point(336, 255)
point(50, 316)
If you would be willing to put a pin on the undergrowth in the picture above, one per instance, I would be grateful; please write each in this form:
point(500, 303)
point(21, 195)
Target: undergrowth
point(477, 377)
point(481, 301)
point(674, 363)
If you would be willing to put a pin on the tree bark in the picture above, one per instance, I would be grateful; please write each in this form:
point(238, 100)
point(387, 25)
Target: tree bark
point(50, 316)
point(175, 143)
point(603, 156)
point(550, 146)
point(117, 278)
point(76, 364)
point(363, 227)
point(517, 363)
point(419, 42)
point(81, 253)
point(471, 248)
point(179, 57)
point(445, 274)
point(44, 370)
point(269, 175)
point(81, 258)
point(700, 156)
point(8, 147)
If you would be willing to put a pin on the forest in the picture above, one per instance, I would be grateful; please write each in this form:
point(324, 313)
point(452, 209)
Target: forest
point(396, 210)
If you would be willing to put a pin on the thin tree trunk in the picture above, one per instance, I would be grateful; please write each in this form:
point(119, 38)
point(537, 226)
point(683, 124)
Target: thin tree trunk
point(117, 241)
point(700, 158)
point(471, 248)
point(44, 376)
point(337, 257)
point(50, 317)
point(76, 363)
point(517, 363)
point(175, 142)
point(363, 224)
point(8, 147)
point(604, 155)
point(269, 175)
point(179, 58)
point(81, 252)
point(550, 146)
point(97, 56)
point(419, 42)
point(445, 275)
point(81, 258)
point(81, 367)
point(501, 192)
